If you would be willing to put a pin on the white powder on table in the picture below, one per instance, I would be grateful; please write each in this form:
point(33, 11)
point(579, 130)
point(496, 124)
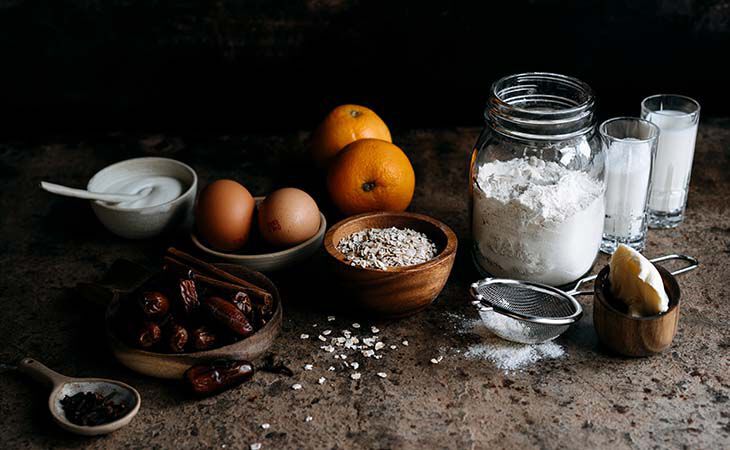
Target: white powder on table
point(505, 355)
point(536, 220)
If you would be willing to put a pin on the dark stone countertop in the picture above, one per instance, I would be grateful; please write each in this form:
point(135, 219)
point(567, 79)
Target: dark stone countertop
point(587, 398)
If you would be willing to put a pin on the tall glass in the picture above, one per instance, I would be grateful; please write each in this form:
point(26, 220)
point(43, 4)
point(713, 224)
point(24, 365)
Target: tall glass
point(630, 146)
point(677, 117)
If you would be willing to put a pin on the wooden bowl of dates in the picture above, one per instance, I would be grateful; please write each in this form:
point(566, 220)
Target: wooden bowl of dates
point(193, 313)
point(397, 291)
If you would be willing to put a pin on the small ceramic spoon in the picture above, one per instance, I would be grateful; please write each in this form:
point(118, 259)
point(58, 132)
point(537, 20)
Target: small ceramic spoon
point(63, 386)
point(88, 195)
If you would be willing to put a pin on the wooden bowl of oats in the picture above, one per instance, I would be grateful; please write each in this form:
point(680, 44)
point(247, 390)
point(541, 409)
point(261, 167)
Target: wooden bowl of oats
point(390, 264)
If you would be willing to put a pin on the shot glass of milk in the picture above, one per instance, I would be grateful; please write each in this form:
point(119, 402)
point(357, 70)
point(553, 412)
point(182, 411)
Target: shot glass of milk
point(630, 145)
point(677, 118)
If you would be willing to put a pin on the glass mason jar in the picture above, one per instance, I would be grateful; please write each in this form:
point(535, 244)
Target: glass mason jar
point(536, 181)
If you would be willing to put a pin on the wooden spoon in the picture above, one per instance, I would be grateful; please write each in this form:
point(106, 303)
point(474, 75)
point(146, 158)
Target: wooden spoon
point(63, 386)
point(88, 195)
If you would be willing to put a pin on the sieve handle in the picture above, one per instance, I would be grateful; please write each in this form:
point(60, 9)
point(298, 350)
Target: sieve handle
point(478, 298)
point(692, 265)
point(692, 262)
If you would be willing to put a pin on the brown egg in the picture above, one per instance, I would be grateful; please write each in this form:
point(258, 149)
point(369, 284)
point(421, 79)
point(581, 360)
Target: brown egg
point(224, 214)
point(288, 217)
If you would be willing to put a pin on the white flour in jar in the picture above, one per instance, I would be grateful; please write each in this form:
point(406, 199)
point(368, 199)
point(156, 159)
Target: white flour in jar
point(536, 220)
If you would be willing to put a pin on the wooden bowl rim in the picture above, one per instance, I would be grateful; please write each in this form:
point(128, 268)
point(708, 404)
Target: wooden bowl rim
point(275, 322)
point(448, 250)
point(600, 284)
point(260, 257)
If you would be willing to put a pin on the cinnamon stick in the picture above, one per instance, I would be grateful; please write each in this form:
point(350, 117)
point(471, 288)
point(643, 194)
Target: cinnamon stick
point(210, 268)
point(224, 285)
point(183, 268)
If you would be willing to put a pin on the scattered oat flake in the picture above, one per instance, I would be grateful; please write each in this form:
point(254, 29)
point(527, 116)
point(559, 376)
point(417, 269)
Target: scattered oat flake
point(314, 325)
point(331, 369)
point(405, 343)
point(255, 446)
point(382, 374)
point(308, 367)
point(343, 356)
point(337, 356)
point(321, 380)
point(322, 338)
point(327, 332)
point(355, 365)
point(436, 360)
point(328, 348)
point(375, 330)
point(355, 376)
point(379, 345)
point(265, 426)
point(355, 325)
point(309, 419)
point(368, 353)
point(330, 318)
point(296, 386)
point(304, 336)
point(393, 347)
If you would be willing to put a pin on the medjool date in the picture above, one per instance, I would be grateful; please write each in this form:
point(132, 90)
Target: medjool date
point(147, 334)
point(209, 379)
point(177, 336)
point(203, 338)
point(189, 296)
point(154, 304)
point(243, 302)
point(227, 315)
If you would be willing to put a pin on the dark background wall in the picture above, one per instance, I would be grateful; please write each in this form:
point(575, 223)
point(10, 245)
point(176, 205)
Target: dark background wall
point(275, 65)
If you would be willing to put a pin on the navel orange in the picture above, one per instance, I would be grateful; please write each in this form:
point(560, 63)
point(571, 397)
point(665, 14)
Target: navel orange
point(342, 126)
point(371, 175)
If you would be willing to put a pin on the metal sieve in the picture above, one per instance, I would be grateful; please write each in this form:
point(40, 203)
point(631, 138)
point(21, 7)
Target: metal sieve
point(531, 313)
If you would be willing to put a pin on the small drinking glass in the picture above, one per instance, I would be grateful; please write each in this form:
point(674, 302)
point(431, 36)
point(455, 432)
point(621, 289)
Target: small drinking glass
point(677, 118)
point(630, 147)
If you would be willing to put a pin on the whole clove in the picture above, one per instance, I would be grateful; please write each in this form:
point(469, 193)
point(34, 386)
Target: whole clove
point(92, 408)
point(271, 365)
point(209, 379)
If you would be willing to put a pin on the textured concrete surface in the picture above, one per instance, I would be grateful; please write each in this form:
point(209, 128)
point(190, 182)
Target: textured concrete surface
point(587, 398)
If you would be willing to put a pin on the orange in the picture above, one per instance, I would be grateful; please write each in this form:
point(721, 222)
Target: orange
point(342, 126)
point(371, 175)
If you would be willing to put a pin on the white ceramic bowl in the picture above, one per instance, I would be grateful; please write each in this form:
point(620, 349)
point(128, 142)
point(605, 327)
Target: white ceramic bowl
point(270, 262)
point(140, 223)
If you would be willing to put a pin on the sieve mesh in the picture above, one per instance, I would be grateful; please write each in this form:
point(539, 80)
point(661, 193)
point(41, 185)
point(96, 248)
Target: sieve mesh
point(525, 312)
point(528, 301)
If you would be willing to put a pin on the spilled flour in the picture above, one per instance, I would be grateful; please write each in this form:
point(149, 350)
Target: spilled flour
point(505, 355)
